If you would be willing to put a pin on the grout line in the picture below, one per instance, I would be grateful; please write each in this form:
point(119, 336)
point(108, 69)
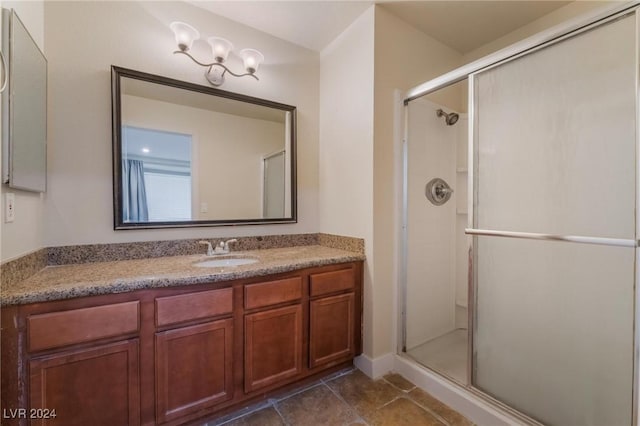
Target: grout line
point(435, 415)
point(400, 389)
point(430, 411)
point(351, 407)
point(298, 391)
point(258, 407)
point(360, 419)
point(387, 403)
point(338, 374)
point(275, 407)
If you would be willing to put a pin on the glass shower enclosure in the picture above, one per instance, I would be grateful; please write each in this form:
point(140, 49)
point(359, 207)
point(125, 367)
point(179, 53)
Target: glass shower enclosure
point(552, 229)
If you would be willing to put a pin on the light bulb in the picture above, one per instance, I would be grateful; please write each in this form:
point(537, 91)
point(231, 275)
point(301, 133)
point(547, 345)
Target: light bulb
point(220, 48)
point(252, 59)
point(185, 35)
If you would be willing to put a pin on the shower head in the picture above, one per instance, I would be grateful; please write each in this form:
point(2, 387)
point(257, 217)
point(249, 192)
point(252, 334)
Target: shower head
point(449, 118)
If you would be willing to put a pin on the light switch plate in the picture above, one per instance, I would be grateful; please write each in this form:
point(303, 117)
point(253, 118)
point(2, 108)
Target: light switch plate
point(9, 207)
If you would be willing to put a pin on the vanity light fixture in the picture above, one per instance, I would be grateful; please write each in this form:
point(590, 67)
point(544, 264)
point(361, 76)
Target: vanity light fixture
point(185, 36)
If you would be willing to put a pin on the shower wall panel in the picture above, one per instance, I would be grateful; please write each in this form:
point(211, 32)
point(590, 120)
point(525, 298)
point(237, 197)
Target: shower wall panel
point(430, 290)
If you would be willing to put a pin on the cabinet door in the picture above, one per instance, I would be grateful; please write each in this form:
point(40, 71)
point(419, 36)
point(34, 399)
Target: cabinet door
point(331, 329)
point(194, 368)
point(94, 386)
point(273, 346)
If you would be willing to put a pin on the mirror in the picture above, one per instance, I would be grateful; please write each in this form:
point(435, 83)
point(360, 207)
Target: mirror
point(24, 108)
point(191, 155)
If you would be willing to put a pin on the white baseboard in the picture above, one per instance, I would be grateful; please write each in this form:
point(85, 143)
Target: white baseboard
point(375, 367)
point(469, 405)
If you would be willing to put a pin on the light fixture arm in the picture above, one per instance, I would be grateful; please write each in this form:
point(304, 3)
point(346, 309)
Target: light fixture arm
point(216, 80)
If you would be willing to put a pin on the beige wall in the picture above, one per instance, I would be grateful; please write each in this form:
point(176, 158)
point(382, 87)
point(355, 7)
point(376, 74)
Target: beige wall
point(346, 146)
point(227, 152)
point(26, 233)
point(236, 175)
point(404, 57)
point(359, 167)
point(84, 39)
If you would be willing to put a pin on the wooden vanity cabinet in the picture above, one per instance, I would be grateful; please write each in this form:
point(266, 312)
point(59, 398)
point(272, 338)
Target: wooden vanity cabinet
point(174, 356)
point(273, 346)
point(92, 386)
point(193, 368)
point(193, 363)
point(331, 329)
point(332, 317)
point(272, 336)
point(84, 365)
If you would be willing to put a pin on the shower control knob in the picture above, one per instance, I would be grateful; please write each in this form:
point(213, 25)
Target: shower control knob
point(441, 191)
point(438, 191)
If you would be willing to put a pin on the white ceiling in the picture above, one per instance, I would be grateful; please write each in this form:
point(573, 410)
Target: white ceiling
point(311, 24)
point(467, 25)
point(462, 25)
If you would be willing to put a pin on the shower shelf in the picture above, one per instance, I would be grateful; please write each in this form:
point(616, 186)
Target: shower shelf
point(461, 212)
point(462, 170)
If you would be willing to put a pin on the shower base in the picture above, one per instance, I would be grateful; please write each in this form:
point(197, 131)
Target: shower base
point(446, 354)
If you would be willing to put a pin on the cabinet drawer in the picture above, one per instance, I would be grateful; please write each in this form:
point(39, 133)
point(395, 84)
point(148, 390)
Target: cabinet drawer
point(272, 292)
point(331, 282)
point(57, 329)
point(193, 306)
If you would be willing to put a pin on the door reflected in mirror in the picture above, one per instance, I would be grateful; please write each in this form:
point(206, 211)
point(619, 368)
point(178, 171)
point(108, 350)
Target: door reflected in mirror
point(189, 155)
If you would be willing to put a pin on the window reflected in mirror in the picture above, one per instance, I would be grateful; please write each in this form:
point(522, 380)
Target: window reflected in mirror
point(156, 175)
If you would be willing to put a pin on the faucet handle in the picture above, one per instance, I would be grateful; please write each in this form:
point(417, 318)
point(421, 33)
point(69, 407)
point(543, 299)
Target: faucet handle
point(226, 243)
point(209, 247)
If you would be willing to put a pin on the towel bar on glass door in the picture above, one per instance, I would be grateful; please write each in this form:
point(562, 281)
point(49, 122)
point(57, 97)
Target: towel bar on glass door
point(550, 237)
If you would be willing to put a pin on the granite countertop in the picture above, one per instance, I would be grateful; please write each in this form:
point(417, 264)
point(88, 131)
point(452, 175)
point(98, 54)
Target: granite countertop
point(90, 279)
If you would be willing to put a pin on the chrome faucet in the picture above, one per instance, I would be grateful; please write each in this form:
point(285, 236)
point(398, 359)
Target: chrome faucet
point(225, 245)
point(221, 248)
point(209, 248)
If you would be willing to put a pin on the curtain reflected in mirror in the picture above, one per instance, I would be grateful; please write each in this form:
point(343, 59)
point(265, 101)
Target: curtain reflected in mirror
point(134, 193)
point(192, 155)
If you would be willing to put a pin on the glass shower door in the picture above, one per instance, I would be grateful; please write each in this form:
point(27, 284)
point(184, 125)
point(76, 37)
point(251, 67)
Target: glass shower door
point(554, 179)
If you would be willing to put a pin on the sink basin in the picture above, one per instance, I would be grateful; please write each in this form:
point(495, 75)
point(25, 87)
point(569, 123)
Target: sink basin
point(225, 262)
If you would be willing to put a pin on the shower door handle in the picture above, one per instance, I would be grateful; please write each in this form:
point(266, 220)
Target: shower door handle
point(615, 242)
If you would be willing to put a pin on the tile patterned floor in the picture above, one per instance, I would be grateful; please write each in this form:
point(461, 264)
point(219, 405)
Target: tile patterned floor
point(350, 398)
